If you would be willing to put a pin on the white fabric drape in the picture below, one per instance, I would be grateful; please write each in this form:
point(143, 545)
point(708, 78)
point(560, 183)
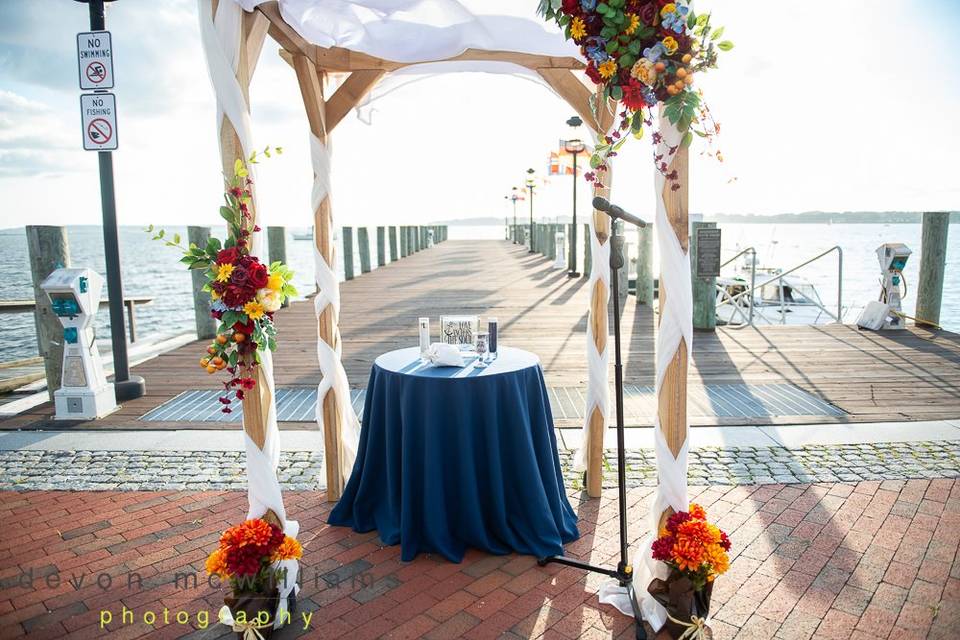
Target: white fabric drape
point(333, 375)
point(220, 36)
point(598, 363)
point(676, 324)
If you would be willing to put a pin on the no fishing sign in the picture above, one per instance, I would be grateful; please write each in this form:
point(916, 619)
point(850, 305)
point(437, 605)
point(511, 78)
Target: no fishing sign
point(99, 116)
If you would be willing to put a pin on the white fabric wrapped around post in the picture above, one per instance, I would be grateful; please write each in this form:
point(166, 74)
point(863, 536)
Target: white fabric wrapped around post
point(332, 374)
point(221, 38)
point(676, 325)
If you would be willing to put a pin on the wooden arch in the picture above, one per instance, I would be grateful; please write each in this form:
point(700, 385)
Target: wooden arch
point(311, 63)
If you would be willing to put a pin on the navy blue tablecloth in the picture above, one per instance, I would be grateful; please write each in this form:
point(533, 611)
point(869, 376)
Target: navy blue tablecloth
point(453, 458)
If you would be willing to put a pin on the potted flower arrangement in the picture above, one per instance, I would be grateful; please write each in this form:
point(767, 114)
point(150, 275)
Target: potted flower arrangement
point(696, 552)
point(244, 292)
point(641, 53)
point(254, 557)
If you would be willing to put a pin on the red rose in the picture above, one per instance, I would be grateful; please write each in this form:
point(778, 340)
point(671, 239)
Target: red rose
point(227, 256)
point(571, 6)
point(258, 275)
point(648, 13)
point(593, 73)
point(632, 96)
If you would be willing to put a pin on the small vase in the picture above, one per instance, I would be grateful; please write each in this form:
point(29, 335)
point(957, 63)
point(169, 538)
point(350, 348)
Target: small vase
point(254, 604)
point(682, 602)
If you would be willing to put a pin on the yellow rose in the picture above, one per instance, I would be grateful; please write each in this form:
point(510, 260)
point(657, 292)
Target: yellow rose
point(670, 45)
point(275, 282)
point(668, 8)
point(270, 300)
point(644, 71)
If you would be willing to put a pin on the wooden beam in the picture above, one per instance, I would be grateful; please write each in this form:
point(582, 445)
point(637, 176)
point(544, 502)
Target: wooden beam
point(255, 26)
point(256, 402)
point(349, 94)
point(672, 399)
point(599, 330)
point(285, 35)
point(310, 79)
point(578, 96)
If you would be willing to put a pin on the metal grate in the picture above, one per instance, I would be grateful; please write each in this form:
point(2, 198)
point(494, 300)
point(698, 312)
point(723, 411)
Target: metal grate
point(297, 404)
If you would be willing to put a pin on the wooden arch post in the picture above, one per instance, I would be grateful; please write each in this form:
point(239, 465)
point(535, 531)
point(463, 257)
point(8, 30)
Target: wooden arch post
point(256, 402)
point(672, 399)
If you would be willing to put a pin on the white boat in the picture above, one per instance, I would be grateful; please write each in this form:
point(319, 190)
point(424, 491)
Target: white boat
point(767, 296)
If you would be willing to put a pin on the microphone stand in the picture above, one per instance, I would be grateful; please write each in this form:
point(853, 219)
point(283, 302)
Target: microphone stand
point(624, 571)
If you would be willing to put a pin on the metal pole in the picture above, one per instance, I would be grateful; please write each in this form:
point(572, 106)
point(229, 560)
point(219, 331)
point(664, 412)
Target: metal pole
point(616, 264)
point(126, 387)
point(573, 240)
point(531, 218)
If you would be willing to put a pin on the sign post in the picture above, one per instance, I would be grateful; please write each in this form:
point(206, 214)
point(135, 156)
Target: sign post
point(99, 122)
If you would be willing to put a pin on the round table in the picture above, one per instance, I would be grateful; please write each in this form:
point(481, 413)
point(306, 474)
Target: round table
point(451, 458)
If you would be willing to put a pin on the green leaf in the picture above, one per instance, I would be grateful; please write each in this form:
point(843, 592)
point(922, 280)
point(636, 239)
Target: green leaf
point(716, 33)
point(645, 32)
point(595, 161)
point(687, 139)
point(612, 46)
point(616, 93)
point(627, 60)
point(724, 45)
point(161, 233)
point(691, 20)
point(228, 214)
point(176, 238)
point(634, 48)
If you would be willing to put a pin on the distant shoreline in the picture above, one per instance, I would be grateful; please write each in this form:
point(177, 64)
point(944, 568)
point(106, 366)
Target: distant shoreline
point(811, 217)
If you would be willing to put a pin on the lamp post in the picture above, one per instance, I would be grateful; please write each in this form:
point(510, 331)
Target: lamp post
point(574, 147)
point(530, 186)
point(513, 197)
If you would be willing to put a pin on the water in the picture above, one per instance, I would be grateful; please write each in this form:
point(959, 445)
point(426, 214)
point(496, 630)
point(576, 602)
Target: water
point(151, 269)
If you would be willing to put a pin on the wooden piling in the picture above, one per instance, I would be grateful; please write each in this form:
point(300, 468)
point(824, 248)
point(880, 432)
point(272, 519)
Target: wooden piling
point(206, 324)
point(49, 250)
point(645, 265)
point(404, 242)
point(933, 260)
point(381, 246)
point(392, 232)
point(363, 240)
point(347, 253)
point(704, 289)
point(277, 248)
point(587, 252)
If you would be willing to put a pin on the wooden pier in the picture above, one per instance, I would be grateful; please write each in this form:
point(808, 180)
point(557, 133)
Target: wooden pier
point(890, 376)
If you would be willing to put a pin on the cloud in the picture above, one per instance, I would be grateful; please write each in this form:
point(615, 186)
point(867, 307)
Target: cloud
point(33, 140)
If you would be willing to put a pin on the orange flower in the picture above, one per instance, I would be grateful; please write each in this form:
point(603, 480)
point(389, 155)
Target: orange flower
point(697, 512)
point(718, 559)
point(216, 564)
point(289, 549)
point(688, 555)
point(698, 532)
point(251, 532)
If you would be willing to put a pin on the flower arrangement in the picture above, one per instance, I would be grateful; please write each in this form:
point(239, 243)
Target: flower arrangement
point(643, 52)
point(248, 551)
point(249, 557)
point(244, 292)
point(696, 552)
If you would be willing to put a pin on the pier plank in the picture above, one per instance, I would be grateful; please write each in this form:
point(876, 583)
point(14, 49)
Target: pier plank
point(891, 376)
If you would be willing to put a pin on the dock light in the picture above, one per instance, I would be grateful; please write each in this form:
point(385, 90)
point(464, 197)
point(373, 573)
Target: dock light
point(574, 147)
point(84, 393)
point(530, 183)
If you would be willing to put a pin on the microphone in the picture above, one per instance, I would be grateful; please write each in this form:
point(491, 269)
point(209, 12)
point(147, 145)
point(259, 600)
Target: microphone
point(612, 210)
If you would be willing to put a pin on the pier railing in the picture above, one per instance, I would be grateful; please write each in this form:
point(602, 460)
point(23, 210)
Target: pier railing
point(742, 304)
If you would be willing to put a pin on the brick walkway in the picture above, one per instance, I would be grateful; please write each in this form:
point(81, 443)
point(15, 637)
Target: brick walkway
point(865, 561)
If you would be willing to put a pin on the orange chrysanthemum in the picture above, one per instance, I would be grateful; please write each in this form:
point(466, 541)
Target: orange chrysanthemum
point(718, 559)
point(688, 555)
point(251, 532)
point(216, 564)
point(697, 512)
point(289, 549)
point(698, 532)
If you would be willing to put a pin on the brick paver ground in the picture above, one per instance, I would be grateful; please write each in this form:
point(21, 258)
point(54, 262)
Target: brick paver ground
point(862, 561)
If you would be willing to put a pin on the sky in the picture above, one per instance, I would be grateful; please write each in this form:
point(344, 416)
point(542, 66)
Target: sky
point(824, 105)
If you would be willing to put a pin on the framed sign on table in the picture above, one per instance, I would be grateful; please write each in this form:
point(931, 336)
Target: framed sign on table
point(459, 330)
